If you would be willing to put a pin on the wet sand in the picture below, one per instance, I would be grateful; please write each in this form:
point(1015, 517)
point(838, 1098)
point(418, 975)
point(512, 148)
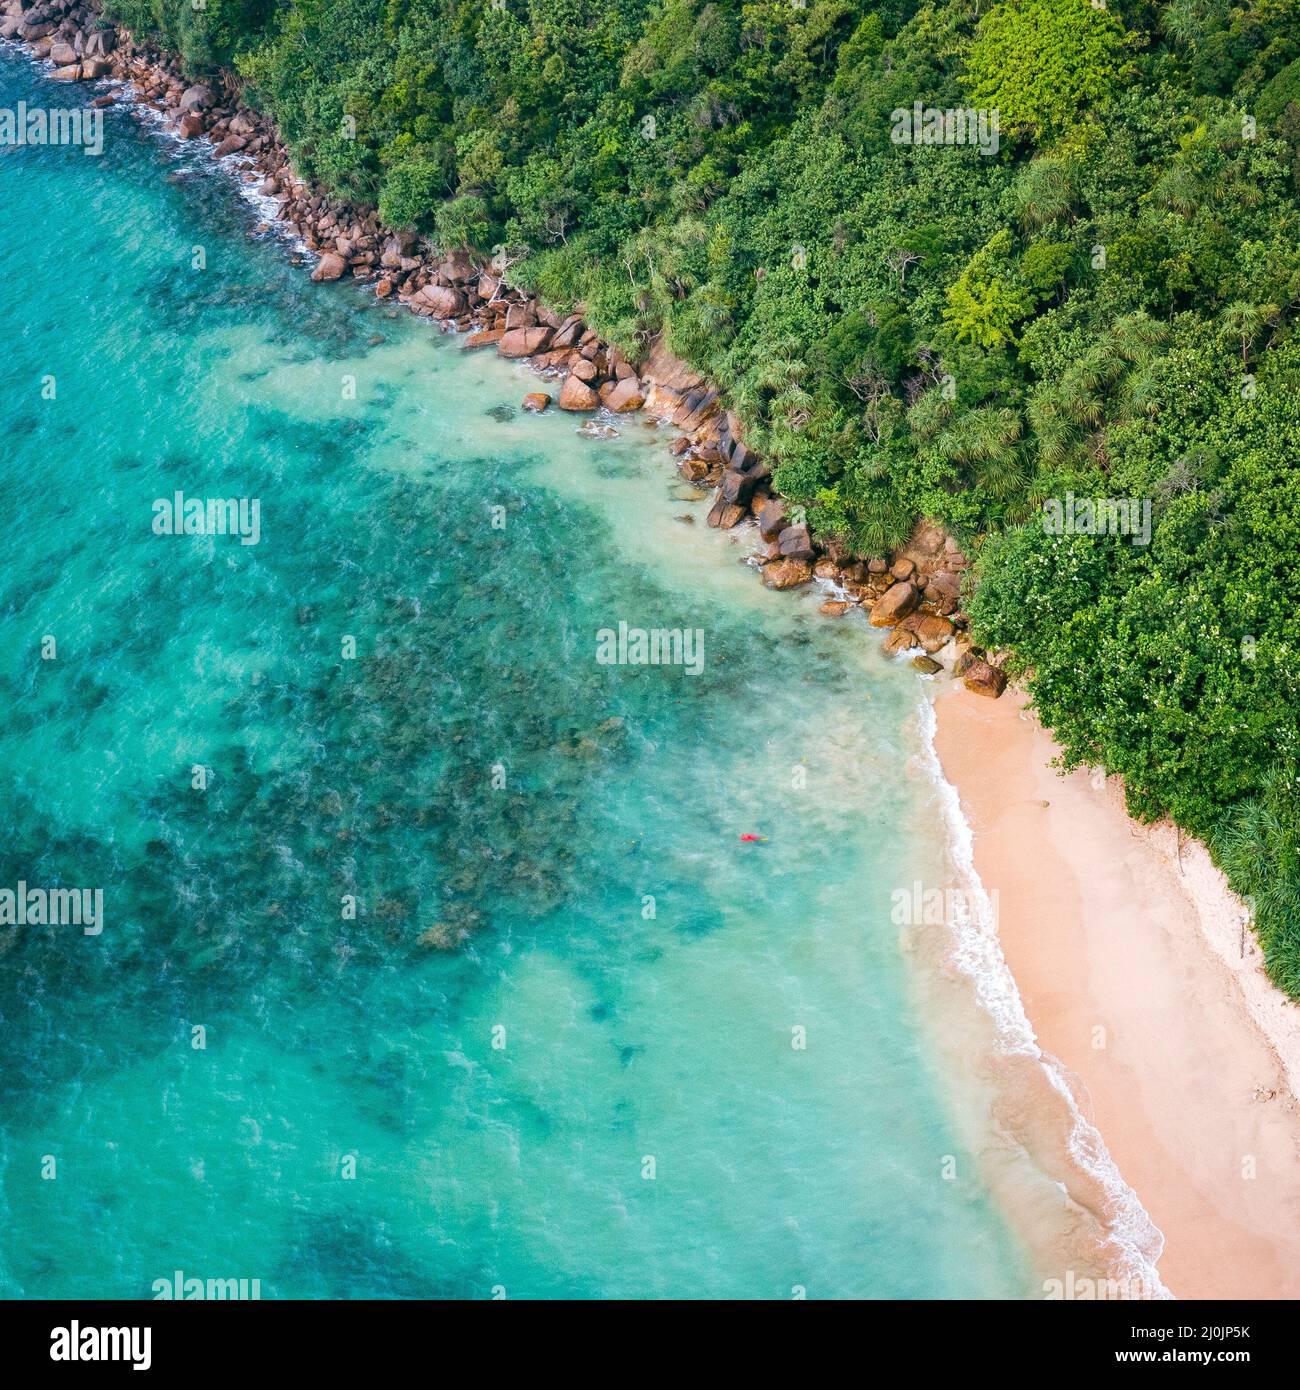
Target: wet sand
point(1130, 957)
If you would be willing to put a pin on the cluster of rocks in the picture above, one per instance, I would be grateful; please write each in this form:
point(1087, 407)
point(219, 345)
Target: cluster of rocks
point(66, 32)
point(453, 289)
point(916, 592)
point(477, 301)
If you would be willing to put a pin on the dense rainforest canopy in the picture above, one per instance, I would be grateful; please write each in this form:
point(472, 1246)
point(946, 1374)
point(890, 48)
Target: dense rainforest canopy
point(1103, 305)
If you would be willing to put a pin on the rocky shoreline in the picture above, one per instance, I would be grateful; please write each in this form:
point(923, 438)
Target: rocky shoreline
point(916, 592)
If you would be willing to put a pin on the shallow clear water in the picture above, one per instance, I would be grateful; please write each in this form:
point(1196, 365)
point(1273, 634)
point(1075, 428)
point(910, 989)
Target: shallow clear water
point(472, 559)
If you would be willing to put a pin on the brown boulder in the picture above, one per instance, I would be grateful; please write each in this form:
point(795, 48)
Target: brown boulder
point(486, 337)
point(835, 608)
point(626, 395)
point(191, 125)
point(965, 660)
point(737, 487)
point(981, 678)
point(62, 53)
point(458, 268)
point(945, 584)
point(797, 543)
point(574, 394)
point(927, 665)
point(331, 267)
point(521, 316)
point(786, 573)
point(895, 604)
point(523, 342)
point(536, 401)
point(569, 333)
point(438, 301)
point(931, 631)
point(723, 514)
point(232, 144)
point(900, 640)
point(195, 98)
point(773, 519)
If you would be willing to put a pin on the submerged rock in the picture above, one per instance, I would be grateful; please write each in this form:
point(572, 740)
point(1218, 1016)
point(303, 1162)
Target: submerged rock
point(594, 429)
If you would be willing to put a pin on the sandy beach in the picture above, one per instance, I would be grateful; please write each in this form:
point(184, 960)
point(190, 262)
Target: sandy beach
point(1131, 961)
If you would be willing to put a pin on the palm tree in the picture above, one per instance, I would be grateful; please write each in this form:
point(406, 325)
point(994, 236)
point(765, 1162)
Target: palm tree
point(1243, 321)
point(1184, 21)
point(989, 439)
point(1056, 430)
point(1180, 189)
point(771, 387)
point(1046, 192)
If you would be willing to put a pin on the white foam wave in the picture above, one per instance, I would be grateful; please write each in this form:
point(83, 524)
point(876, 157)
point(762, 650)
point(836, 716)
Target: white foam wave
point(1136, 1241)
point(200, 153)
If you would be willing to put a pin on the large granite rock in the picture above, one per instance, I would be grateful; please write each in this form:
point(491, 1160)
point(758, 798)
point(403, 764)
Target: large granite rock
point(575, 394)
point(523, 342)
point(331, 267)
point(981, 678)
point(895, 604)
point(787, 573)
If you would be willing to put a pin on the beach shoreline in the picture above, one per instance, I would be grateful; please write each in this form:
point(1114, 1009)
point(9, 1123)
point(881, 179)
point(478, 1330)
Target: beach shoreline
point(1125, 945)
point(1135, 972)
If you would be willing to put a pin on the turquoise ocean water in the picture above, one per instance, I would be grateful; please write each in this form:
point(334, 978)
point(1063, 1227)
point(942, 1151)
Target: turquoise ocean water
point(500, 1086)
